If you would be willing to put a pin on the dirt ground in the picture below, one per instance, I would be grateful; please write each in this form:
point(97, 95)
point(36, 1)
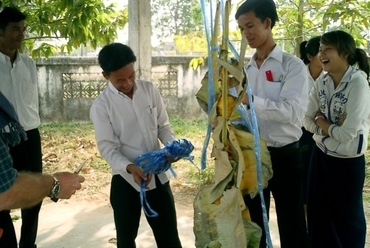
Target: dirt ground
point(86, 221)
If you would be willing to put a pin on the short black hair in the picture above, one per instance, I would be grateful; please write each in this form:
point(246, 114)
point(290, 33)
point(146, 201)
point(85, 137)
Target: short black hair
point(115, 56)
point(10, 14)
point(262, 9)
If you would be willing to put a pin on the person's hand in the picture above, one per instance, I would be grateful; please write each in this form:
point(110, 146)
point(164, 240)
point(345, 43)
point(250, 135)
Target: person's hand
point(319, 117)
point(319, 114)
point(138, 174)
point(342, 118)
point(69, 184)
point(172, 160)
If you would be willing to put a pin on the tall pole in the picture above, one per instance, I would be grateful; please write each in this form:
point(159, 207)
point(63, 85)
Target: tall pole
point(139, 36)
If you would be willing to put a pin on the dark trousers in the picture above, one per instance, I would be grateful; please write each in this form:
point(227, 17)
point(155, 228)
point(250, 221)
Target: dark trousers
point(26, 157)
point(126, 205)
point(286, 188)
point(306, 144)
point(335, 210)
point(7, 237)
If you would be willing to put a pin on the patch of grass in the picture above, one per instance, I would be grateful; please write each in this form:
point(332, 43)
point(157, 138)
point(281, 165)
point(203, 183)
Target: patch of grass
point(188, 128)
point(195, 132)
point(201, 177)
point(66, 145)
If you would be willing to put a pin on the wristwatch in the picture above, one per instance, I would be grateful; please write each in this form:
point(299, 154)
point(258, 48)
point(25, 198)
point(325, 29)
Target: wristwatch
point(55, 190)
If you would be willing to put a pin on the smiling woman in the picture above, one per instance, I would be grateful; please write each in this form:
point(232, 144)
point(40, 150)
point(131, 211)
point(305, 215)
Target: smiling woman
point(339, 116)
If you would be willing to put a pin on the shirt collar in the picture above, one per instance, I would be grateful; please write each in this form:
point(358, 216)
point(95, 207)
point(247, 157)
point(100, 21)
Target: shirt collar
point(5, 58)
point(276, 53)
point(348, 75)
point(114, 90)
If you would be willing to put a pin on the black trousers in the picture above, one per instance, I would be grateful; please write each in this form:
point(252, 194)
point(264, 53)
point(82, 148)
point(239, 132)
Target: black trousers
point(286, 188)
point(335, 212)
point(26, 156)
point(306, 144)
point(126, 205)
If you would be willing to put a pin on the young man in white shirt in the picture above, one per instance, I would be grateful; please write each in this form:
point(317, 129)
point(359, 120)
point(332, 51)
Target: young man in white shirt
point(19, 85)
point(279, 83)
point(129, 118)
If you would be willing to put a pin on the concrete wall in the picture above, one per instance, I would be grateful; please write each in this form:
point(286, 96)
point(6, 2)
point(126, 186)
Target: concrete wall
point(55, 106)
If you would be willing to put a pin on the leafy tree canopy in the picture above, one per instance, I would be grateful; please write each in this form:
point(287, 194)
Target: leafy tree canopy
point(299, 20)
point(74, 23)
point(303, 19)
point(176, 17)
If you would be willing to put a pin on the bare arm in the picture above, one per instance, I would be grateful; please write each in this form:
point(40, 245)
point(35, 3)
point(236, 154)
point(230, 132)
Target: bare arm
point(29, 189)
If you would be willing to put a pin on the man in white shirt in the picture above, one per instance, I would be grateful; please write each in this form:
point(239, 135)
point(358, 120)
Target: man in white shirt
point(279, 83)
point(19, 86)
point(129, 117)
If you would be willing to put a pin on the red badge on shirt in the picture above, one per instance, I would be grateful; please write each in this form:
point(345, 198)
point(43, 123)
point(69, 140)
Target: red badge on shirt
point(269, 76)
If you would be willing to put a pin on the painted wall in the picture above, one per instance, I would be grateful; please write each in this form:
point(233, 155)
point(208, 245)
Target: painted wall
point(57, 105)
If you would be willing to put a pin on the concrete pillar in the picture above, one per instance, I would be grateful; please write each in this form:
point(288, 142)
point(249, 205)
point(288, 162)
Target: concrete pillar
point(139, 36)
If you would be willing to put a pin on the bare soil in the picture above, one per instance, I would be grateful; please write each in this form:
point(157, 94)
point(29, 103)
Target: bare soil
point(86, 220)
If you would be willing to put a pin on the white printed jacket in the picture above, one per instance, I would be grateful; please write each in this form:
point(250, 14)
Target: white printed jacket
point(350, 98)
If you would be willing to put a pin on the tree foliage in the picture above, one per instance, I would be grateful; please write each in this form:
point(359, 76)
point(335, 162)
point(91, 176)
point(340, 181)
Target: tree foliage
point(73, 23)
point(190, 43)
point(176, 17)
point(303, 19)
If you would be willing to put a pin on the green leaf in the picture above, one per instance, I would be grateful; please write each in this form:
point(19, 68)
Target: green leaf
point(78, 21)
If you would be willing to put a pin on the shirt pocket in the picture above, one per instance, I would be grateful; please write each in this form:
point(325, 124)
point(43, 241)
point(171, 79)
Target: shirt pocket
point(27, 86)
point(151, 118)
point(273, 89)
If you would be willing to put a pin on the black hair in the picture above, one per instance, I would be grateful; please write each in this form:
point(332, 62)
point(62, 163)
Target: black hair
point(10, 14)
point(262, 9)
point(310, 47)
point(115, 56)
point(346, 46)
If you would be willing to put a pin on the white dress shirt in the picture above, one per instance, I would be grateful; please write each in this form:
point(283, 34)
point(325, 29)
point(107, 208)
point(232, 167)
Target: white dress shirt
point(280, 103)
point(19, 85)
point(126, 128)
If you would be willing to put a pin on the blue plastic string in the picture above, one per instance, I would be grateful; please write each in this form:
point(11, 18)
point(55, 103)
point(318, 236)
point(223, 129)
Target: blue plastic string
point(257, 151)
point(156, 162)
point(211, 98)
point(233, 50)
point(242, 111)
point(251, 125)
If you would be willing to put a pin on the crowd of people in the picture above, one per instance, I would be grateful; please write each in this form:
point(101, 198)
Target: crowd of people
point(312, 112)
